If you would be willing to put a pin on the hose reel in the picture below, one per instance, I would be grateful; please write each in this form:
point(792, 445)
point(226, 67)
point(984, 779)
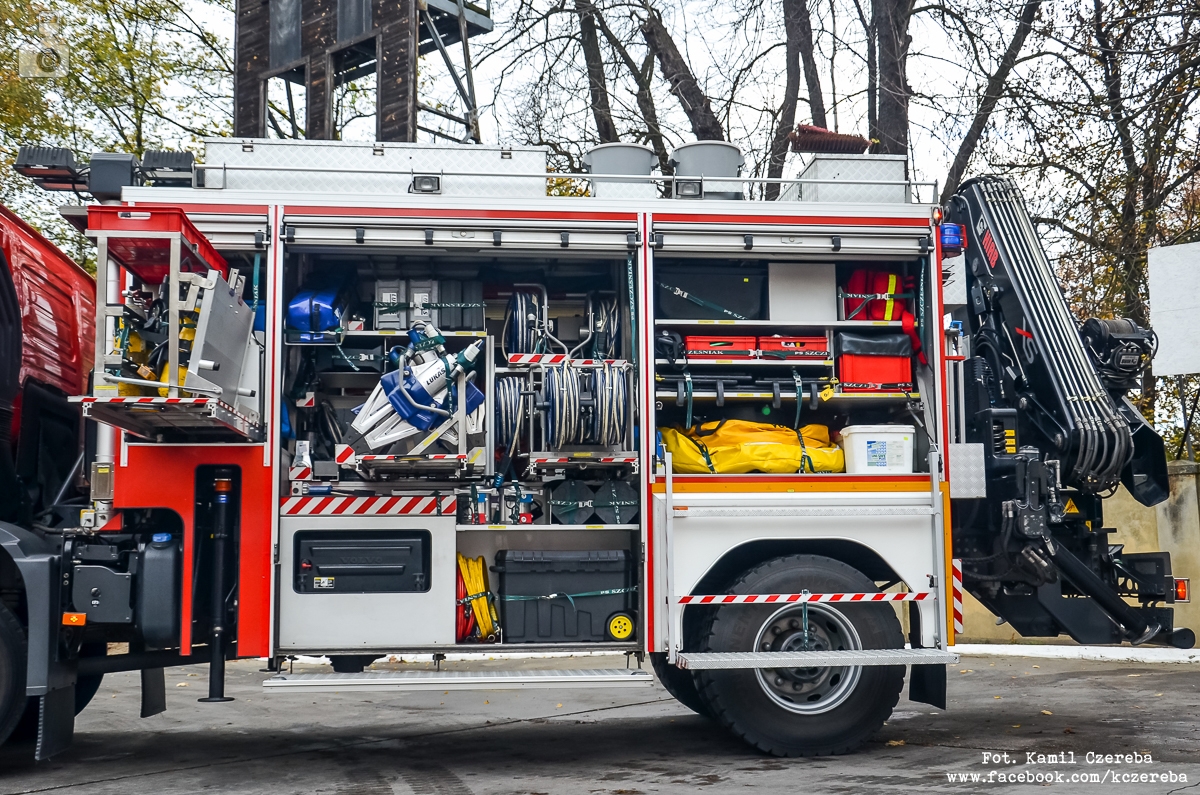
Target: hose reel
point(584, 406)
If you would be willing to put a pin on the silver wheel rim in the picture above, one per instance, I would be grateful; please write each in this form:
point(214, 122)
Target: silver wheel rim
point(808, 691)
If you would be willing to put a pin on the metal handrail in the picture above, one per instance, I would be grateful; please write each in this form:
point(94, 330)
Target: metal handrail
point(653, 179)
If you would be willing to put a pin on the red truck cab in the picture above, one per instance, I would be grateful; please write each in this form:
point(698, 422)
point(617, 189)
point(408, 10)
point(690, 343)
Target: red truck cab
point(47, 318)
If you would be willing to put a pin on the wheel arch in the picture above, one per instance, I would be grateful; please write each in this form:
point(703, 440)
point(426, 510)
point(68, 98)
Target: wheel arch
point(739, 559)
point(29, 561)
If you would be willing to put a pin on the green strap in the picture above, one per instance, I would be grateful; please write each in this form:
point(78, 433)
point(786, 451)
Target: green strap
point(698, 301)
point(804, 456)
point(703, 452)
point(687, 387)
point(570, 597)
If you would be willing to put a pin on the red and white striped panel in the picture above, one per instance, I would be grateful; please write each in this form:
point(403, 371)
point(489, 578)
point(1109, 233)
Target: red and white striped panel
point(344, 454)
point(308, 401)
point(537, 358)
point(956, 593)
point(771, 598)
point(190, 401)
point(556, 358)
point(436, 457)
point(612, 459)
point(300, 473)
point(366, 506)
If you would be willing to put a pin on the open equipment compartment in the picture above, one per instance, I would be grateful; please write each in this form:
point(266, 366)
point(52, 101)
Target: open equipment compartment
point(481, 396)
point(767, 359)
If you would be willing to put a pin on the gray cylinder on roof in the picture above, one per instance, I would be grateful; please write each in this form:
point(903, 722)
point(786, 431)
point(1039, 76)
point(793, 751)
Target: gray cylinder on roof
point(621, 158)
point(711, 160)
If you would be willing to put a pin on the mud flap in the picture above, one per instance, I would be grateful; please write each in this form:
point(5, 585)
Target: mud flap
point(56, 722)
point(154, 691)
point(927, 685)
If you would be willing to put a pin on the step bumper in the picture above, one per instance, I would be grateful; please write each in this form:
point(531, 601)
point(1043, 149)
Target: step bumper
point(713, 661)
point(375, 681)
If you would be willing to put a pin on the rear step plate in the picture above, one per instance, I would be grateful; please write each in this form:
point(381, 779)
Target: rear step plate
point(460, 680)
point(813, 659)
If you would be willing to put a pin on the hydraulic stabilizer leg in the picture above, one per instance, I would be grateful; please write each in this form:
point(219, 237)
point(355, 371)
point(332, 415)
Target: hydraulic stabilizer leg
point(223, 490)
point(1136, 629)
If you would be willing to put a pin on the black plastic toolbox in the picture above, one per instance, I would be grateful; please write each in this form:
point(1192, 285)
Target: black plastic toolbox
point(551, 596)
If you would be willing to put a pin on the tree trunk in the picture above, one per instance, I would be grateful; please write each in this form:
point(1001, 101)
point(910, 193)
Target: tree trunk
point(891, 18)
point(791, 92)
point(797, 10)
point(991, 96)
point(868, 26)
point(678, 74)
point(606, 129)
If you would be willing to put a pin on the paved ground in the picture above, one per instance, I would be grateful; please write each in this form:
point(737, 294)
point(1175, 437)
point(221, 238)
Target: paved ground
point(618, 742)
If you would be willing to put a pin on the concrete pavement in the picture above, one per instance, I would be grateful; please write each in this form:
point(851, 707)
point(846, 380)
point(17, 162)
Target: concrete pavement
point(624, 742)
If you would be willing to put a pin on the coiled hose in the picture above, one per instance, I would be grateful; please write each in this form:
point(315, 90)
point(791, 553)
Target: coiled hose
point(479, 596)
point(612, 403)
point(509, 411)
point(607, 342)
point(568, 422)
point(564, 420)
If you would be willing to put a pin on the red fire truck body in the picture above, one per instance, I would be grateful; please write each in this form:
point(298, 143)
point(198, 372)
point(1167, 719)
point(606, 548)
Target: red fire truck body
point(391, 398)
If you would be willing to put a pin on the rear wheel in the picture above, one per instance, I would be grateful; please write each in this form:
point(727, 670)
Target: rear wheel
point(12, 672)
point(802, 711)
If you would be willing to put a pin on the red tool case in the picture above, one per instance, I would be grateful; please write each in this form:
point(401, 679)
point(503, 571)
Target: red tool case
point(794, 348)
point(703, 347)
point(881, 363)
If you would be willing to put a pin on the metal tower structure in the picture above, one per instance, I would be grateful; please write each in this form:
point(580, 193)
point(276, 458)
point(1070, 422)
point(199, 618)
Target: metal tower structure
point(315, 48)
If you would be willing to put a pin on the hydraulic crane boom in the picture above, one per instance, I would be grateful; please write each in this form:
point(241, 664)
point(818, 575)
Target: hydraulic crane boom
point(1047, 401)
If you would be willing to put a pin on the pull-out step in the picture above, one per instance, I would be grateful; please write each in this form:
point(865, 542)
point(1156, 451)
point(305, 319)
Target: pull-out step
point(813, 659)
point(461, 680)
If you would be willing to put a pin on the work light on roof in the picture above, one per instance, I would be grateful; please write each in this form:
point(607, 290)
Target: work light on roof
point(425, 183)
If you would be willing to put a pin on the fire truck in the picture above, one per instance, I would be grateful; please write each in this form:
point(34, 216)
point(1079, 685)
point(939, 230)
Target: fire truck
point(403, 398)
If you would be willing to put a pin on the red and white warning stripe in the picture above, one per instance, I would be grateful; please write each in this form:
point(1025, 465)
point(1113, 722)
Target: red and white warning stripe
point(343, 454)
point(770, 598)
point(956, 593)
point(434, 457)
point(190, 401)
point(556, 358)
point(300, 473)
point(366, 506)
point(308, 401)
point(612, 459)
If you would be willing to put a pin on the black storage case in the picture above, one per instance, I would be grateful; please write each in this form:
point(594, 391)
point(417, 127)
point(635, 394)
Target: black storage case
point(741, 290)
point(557, 620)
point(362, 561)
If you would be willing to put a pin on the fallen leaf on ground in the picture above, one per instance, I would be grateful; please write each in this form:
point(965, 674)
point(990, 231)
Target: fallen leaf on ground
point(1047, 712)
point(894, 743)
point(1133, 674)
point(1068, 730)
point(1016, 725)
point(995, 696)
point(1037, 666)
point(181, 684)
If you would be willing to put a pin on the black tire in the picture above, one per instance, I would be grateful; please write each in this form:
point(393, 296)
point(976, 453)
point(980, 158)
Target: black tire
point(679, 683)
point(13, 651)
point(757, 706)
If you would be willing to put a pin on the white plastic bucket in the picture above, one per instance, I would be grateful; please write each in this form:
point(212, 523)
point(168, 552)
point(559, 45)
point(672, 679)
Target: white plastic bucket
point(878, 449)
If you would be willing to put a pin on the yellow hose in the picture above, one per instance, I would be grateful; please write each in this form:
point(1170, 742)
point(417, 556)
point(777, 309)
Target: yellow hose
point(474, 574)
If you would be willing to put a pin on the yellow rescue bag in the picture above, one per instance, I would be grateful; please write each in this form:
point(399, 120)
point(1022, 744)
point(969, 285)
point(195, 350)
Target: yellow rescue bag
point(738, 446)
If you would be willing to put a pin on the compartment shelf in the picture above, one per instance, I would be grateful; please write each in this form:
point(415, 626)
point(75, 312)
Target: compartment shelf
point(765, 362)
point(467, 528)
point(758, 395)
point(554, 460)
point(782, 323)
point(206, 419)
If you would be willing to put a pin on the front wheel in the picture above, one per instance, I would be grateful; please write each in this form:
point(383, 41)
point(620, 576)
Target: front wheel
point(12, 672)
point(803, 711)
